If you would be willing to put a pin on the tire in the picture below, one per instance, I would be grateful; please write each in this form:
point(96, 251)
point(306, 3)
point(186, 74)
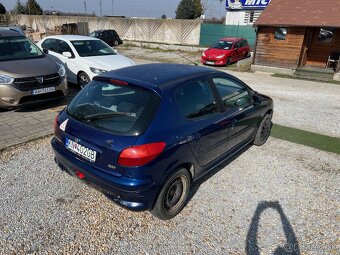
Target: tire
point(228, 62)
point(169, 202)
point(83, 79)
point(115, 43)
point(263, 131)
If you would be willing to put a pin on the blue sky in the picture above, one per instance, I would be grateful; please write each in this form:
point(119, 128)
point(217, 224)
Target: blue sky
point(138, 8)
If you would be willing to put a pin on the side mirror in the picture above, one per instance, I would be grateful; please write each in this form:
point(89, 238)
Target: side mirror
point(45, 51)
point(67, 54)
point(242, 101)
point(257, 99)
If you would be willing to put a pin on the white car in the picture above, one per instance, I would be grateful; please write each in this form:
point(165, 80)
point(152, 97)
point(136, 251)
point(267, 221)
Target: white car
point(84, 57)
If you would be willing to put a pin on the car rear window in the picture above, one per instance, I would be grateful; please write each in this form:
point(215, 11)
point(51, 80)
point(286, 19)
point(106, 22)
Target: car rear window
point(123, 110)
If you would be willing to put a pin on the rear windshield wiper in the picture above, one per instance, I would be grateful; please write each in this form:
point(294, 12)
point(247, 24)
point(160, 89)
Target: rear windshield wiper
point(105, 115)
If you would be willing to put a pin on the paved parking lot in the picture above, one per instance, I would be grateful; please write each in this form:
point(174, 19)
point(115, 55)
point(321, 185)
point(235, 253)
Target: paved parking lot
point(21, 125)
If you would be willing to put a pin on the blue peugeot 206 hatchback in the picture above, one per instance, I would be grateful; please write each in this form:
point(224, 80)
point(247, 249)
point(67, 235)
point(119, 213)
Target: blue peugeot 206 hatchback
point(143, 134)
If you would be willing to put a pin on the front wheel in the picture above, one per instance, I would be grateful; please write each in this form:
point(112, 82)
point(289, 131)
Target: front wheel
point(83, 79)
point(263, 131)
point(173, 195)
point(228, 62)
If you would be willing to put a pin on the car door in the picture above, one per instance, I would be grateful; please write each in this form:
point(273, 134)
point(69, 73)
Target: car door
point(72, 67)
point(239, 110)
point(203, 124)
point(243, 49)
point(104, 36)
point(238, 51)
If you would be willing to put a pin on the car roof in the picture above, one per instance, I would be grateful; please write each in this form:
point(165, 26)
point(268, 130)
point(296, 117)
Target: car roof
point(9, 32)
point(158, 74)
point(233, 39)
point(101, 30)
point(71, 37)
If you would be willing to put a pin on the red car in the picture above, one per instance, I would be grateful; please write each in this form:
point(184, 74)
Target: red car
point(226, 51)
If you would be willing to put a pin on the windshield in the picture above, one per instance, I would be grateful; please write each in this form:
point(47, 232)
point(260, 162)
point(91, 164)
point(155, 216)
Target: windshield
point(90, 48)
point(18, 47)
point(123, 110)
point(223, 45)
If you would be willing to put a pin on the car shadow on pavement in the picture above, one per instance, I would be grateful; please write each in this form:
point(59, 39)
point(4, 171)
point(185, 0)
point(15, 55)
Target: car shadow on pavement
point(195, 186)
point(291, 246)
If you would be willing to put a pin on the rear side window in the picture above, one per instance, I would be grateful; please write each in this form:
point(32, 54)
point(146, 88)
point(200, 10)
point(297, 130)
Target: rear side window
point(233, 94)
point(123, 110)
point(195, 99)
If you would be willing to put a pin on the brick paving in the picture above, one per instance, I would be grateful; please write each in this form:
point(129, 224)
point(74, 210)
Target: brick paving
point(22, 125)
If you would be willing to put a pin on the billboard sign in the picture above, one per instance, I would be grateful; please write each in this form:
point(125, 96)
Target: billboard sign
point(246, 4)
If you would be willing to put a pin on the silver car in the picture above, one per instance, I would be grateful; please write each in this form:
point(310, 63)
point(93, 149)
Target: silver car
point(27, 75)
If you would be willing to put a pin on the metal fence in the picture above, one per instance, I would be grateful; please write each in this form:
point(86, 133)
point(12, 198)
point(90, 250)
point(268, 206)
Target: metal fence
point(212, 32)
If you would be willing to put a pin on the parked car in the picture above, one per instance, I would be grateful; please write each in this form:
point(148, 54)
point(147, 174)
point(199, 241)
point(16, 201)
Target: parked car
point(27, 75)
point(109, 36)
point(144, 134)
point(84, 57)
point(15, 29)
point(226, 51)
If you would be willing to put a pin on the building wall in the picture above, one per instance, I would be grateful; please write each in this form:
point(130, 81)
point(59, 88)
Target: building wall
point(185, 32)
point(271, 52)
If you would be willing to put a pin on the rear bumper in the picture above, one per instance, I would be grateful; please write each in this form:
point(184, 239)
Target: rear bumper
point(132, 194)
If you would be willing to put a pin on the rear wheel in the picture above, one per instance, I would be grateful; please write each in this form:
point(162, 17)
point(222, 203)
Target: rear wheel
point(83, 79)
point(173, 195)
point(263, 131)
point(115, 43)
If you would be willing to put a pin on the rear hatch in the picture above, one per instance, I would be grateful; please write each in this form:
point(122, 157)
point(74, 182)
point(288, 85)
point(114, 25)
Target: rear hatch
point(105, 118)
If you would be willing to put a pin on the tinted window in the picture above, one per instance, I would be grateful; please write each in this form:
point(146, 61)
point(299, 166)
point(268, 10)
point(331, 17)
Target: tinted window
point(89, 48)
point(18, 47)
point(232, 93)
point(50, 44)
point(125, 110)
point(110, 33)
point(326, 35)
point(280, 33)
point(195, 99)
point(63, 47)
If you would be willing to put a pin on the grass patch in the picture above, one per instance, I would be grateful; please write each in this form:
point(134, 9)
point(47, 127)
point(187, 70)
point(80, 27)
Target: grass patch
point(317, 141)
point(288, 76)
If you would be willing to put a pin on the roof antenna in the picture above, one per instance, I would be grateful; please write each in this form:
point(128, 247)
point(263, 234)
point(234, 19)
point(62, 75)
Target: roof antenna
point(190, 60)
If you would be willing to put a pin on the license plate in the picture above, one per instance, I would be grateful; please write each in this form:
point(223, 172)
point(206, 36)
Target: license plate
point(81, 150)
point(210, 63)
point(43, 91)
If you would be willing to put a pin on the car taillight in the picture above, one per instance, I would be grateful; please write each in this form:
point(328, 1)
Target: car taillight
point(140, 155)
point(55, 124)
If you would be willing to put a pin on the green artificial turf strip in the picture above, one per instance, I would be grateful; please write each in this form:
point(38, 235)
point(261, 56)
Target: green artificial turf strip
point(321, 142)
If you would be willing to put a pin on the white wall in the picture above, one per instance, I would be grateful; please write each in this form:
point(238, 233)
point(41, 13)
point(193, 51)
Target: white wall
point(171, 31)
